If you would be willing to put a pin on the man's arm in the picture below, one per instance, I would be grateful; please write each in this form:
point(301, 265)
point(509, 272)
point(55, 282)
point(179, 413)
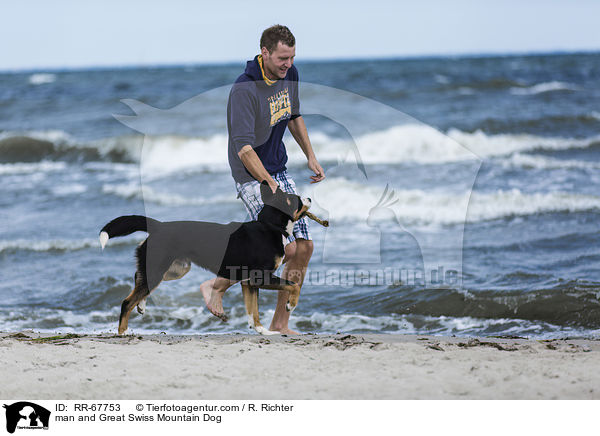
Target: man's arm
point(254, 165)
point(298, 130)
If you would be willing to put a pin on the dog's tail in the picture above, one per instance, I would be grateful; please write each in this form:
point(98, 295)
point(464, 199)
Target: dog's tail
point(125, 225)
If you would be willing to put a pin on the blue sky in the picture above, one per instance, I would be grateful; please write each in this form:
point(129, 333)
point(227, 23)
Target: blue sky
point(66, 34)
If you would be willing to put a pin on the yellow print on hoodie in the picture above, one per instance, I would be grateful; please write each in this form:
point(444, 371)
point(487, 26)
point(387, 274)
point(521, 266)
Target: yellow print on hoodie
point(280, 107)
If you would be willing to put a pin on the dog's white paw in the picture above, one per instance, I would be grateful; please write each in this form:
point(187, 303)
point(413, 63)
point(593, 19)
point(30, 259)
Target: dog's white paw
point(263, 331)
point(289, 307)
point(141, 307)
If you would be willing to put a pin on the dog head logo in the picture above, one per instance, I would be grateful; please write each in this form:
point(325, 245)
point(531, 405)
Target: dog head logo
point(25, 415)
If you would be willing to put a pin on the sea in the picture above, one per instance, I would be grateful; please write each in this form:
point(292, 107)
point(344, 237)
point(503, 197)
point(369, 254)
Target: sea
point(463, 194)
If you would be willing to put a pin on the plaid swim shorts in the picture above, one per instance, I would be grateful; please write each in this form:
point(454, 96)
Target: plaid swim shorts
point(249, 193)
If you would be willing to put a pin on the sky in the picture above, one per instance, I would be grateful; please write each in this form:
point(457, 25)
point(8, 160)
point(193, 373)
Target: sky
point(57, 34)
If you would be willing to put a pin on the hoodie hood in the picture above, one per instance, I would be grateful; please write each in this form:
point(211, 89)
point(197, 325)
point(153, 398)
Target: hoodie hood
point(253, 69)
point(255, 72)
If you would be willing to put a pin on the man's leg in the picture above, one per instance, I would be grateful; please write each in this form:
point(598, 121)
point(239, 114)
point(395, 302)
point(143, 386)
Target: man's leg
point(213, 291)
point(299, 253)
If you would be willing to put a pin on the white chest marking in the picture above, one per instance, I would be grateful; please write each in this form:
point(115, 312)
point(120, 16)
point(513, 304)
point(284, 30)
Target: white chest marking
point(290, 227)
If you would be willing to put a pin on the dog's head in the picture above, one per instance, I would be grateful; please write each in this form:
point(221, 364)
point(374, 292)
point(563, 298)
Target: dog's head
point(291, 205)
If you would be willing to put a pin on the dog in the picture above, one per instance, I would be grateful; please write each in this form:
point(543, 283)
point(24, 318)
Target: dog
point(246, 252)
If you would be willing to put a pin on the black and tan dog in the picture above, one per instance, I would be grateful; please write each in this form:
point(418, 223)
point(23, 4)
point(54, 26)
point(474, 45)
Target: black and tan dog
point(242, 252)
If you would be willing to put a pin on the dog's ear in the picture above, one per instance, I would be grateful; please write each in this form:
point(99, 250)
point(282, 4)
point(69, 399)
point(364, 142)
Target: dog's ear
point(265, 191)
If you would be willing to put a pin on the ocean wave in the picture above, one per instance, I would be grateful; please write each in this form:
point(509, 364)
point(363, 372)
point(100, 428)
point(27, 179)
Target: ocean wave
point(413, 324)
point(197, 320)
point(409, 143)
point(57, 136)
point(59, 245)
point(568, 303)
point(485, 145)
point(570, 122)
point(491, 84)
point(70, 189)
point(521, 160)
point(170, 153)
point(510, 203)
point(541, 88)
point(134, 191)
point(41, 78)
point(341, 199)
point(31, 168)
point(441, 79)
point(420, 144)
point(52, 145)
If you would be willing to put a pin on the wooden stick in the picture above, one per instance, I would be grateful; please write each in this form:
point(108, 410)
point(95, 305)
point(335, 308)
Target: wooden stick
point(324, 223)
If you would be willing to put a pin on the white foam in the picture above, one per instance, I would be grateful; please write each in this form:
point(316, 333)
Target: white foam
point(133, 191)
point(41, 78)
point(426, 145)
point(520, 160)
point(31, 168)
point(165, 154)
point(486, 206)
point(55, 136)
point(197, 320)
point(441, 79)
point(43, 245)
point(342, 199)
point(47, 245)
point(67, 190)
point(504, 144)
point(408, 143)
point(544, 87)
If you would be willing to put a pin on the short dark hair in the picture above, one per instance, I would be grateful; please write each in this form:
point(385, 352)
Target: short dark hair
point(271, 37)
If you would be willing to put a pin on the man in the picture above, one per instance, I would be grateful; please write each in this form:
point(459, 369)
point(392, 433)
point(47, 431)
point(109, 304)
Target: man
point(262, 103)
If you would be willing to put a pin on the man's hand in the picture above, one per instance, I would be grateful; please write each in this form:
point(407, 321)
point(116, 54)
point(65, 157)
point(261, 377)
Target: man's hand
point(254, 165)
point(298, 130)
point(314, 166)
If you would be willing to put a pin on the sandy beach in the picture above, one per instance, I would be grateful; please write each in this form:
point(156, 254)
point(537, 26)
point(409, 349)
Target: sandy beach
point(337, 367)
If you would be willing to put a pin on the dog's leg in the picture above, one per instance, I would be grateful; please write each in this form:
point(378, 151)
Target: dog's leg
point(137, 295)
point(248, 292)
point(177, 270)
point(271, 281)
point(146, 280)
point(141, 307)
point(251, 300)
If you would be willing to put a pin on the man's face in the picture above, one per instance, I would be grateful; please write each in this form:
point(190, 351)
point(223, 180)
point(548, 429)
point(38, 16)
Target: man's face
point(279, 61)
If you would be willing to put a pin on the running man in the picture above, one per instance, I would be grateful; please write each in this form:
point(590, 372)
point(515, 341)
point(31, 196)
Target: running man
point(262, 103)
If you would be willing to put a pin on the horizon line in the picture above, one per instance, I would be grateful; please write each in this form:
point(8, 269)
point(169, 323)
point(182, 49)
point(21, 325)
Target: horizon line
point(307, 60)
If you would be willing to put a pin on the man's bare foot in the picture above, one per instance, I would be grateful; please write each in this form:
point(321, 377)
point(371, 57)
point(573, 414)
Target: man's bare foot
point(213, 299)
